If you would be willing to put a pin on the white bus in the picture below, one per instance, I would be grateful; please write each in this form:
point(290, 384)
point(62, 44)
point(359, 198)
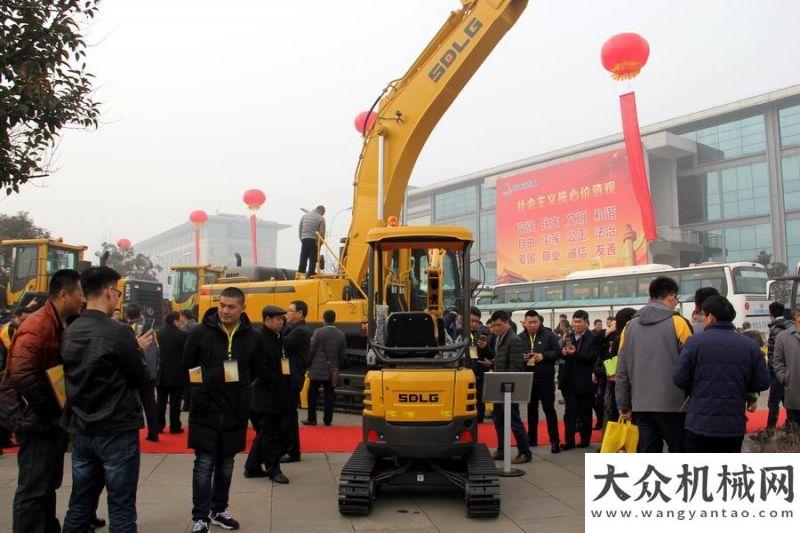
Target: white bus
point(603, 292)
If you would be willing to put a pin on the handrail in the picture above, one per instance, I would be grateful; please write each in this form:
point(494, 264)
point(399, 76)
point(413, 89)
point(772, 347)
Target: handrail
point(341, 266)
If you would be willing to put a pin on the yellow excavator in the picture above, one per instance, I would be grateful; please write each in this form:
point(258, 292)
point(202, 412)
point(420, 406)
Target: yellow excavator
point(407, 111)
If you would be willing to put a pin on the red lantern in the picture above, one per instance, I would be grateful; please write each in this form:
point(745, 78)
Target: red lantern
point(198, 217)
point(123, 244)
point(364, 121)
point(624, 55)
point(254, 199)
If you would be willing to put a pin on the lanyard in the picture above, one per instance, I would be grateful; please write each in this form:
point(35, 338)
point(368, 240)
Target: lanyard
point(533, 340)
point(230, 340)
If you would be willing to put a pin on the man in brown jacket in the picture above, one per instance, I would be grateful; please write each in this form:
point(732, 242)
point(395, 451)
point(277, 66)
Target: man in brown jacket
point(29, 407)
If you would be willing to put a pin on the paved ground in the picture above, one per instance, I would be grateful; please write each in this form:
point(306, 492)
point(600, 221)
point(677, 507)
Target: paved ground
point(548, 498)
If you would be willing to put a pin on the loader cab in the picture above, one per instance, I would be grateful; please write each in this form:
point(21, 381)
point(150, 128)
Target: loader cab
point(33, 262)
point(186, 281)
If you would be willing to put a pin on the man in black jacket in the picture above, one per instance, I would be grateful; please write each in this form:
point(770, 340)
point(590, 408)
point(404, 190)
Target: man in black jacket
point(776, 389)
point(270, 403)
point(575, 382)
point(508, 358)
point(540, 346)
point(171, 377)
point(481, 352)
point(222, 355)
point(104, 366)
point(296, 346)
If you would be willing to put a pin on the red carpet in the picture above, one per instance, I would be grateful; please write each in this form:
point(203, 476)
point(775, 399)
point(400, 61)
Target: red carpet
point(318, 439)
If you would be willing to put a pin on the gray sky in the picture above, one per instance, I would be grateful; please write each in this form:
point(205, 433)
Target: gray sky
point(203, 100)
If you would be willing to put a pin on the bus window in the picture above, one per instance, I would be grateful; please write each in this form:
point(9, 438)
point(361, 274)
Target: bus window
point(749, 280)
point(692, 280)
point(644, 285)
point(549, 292)
point(581, 290)
point(518, 294)
point(618, 287)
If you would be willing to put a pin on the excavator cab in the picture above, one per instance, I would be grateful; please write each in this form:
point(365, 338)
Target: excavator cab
point(420, 426)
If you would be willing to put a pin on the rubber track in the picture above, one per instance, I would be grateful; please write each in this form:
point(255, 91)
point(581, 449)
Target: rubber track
point(356, 489)
point(483, 484)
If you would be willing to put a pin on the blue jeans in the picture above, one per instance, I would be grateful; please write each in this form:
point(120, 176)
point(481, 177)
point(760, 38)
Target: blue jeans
point(41, 467)
point(104, 460)
point(517, 429)
point(211, 483)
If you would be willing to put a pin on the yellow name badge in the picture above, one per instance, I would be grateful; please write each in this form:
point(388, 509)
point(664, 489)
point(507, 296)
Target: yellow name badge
point(196, 375)
point(473, 352)
point(285, 370)
point(231, 372)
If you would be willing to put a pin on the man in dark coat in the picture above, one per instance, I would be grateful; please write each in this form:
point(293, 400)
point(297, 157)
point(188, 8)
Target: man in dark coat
point(134, 318)
point(481, 353)
point(296, 346)
point(222, 355)
point(508, 358)
point(575, 381)
point(270, 403)
point(29, 407)
point(718, 370)
point(171, 377)
point(776, 390)
point(540, 346)
point(328, 347)
point(104, 367)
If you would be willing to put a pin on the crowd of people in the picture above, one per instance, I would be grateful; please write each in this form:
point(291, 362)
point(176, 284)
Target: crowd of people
point(685, 384)
point(119, 375)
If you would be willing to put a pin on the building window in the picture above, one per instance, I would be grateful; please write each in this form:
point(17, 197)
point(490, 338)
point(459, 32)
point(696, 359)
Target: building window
point(419, 221)
point(488, 197)
point(793, 243)
point(737, 192)
point(488, 235)
point(419, 207)
point(744, 243)
point(790, 167)
point(469, 222)
point(790, 125)
point(732, 139)
point(454, 203)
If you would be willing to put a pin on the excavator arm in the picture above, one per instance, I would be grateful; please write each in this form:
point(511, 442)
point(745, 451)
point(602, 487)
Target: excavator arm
point(411, 107)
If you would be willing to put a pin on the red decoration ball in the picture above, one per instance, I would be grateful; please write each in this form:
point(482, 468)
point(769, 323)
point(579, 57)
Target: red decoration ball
point(123, 244)
point(364, 121)
point(198, 217)
point(624, 55)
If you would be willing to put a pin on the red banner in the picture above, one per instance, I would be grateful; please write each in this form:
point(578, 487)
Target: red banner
point(572, 216)
point(633, 145)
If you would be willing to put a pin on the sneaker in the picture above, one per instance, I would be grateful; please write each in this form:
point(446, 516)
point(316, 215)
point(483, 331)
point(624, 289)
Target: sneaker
point(224, 520)
point(201, 526)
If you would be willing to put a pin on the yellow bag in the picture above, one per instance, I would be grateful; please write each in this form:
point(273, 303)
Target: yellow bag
point(620, 437)
point(56, 377)
point(304, 392)
point(611, 366)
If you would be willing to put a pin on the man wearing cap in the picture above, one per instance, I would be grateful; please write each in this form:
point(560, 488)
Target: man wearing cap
point(270, 402)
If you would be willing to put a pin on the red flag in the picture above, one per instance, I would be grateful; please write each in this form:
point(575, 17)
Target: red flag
point(633, 145)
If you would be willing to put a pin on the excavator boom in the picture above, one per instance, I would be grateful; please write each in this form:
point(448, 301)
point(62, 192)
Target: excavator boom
point(410, 109)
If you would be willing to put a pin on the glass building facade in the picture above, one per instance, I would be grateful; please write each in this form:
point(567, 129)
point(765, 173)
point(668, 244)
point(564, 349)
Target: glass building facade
point(727, 178)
